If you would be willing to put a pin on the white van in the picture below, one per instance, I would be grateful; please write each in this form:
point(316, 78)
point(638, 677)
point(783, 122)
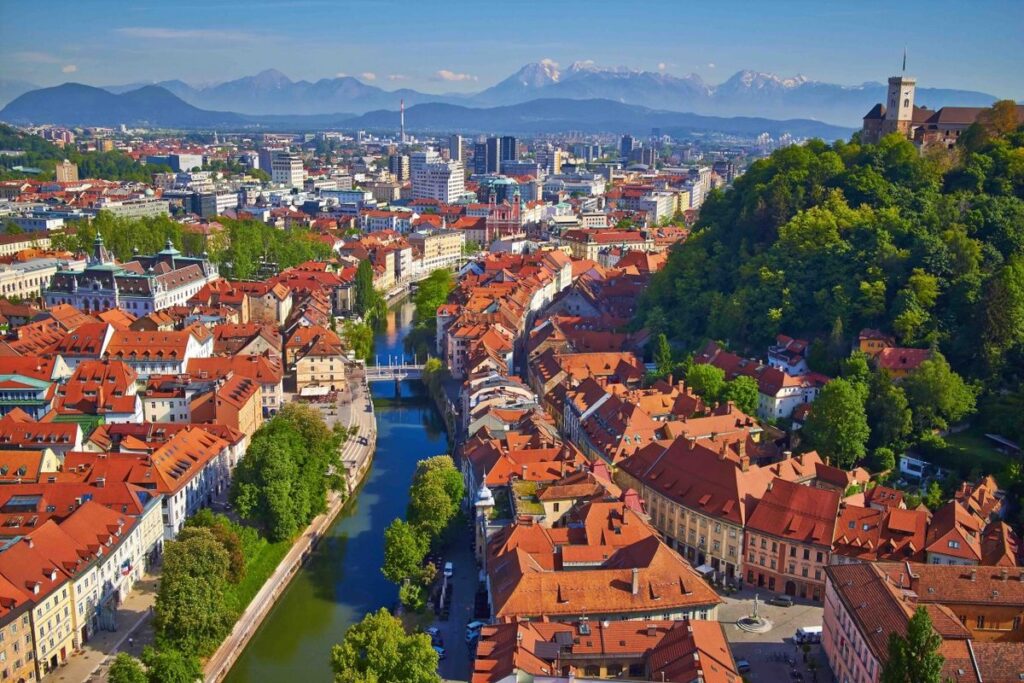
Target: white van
point(807, 634)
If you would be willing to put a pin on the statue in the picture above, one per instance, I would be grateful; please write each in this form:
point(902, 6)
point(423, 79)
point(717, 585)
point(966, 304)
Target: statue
point(754, 615)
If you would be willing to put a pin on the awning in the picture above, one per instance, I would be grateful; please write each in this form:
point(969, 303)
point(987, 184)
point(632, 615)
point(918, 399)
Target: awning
point(705, 569)
point(314, 391)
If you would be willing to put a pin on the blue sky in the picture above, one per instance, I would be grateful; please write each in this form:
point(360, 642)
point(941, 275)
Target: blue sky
point(445, 46)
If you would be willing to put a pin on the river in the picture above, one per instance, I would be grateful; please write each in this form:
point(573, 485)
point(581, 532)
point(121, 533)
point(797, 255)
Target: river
point(342, 581)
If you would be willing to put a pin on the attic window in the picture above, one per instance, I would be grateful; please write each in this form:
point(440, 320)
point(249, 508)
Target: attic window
point(954, 544)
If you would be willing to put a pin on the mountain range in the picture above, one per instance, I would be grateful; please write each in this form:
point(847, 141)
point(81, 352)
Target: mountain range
point(74, 104)
point(746, 93)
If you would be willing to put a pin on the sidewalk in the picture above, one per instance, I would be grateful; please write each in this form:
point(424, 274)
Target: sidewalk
point(134, 620)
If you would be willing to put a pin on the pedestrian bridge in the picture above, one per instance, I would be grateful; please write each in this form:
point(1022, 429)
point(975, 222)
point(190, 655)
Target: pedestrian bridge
point(394, 369)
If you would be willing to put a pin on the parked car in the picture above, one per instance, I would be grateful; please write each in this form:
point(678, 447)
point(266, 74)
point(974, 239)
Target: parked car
point(742, 666)
point(440, 651)
point(781, 600)
point(449, 570)
point(435, 636)
point(473, 630)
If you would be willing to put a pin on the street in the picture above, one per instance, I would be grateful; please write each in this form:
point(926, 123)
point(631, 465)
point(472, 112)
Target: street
point(457, 664)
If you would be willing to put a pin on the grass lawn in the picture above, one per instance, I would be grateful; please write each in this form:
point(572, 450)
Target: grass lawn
point(258, 569)
point(969, 450)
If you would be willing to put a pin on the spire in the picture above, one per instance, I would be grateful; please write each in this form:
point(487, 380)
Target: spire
point(904, 59)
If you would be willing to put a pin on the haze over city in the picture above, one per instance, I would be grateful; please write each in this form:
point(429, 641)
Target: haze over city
point(472, 45)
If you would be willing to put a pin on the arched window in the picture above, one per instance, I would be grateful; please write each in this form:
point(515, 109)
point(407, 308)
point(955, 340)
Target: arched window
point(906, 103)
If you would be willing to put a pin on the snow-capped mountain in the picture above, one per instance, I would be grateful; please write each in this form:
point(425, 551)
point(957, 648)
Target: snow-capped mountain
point(746, 93)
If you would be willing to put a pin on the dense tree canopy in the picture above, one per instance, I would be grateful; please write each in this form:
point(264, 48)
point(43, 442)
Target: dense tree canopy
point(378, 650)
point(191, 612)
point(40, 153)
point(282, 481)
point(431, 293)
point(823, 240)
point(239, 249)
point(837, 425)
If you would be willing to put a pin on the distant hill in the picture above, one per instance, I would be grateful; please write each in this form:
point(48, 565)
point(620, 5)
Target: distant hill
point(74, 104)
point(151, 105)
point(10, 88)
point(745, 93)
point(555, 115)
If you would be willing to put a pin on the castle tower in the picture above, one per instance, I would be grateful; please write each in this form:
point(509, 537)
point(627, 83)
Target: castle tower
point(899, 103)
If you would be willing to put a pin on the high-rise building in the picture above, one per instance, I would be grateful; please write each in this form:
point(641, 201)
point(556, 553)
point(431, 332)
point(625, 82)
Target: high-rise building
point(626, 146)
point(508, 150)
point(441, 180)
point(481, 162)
point(286, 169)
point(455, 147)
point(398, 165)
point(419, 160)
point(66, 172)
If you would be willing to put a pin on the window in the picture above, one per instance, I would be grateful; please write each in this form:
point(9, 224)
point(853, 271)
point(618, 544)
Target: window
point(819, 557)
point(764, 544)
point(807, 554)
point(1016, 624)
point(981, 621)
point(954, 544)
point(792, 551)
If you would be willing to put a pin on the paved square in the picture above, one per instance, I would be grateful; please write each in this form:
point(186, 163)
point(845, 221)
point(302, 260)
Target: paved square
point(768, 652)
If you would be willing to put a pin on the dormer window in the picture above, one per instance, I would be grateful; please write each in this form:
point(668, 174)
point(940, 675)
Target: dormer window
point(954, 544)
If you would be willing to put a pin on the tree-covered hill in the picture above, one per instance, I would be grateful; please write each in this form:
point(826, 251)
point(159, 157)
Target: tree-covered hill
point(823, 240)
point(43, 154)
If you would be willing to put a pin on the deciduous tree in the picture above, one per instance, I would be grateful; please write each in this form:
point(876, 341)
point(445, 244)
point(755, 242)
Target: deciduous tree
point(914, 657)
point(126, 669)
point(837, 425)
point(378, 650)
point(706, 380)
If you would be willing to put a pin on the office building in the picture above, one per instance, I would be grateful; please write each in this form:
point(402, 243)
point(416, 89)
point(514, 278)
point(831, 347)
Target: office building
point(441, 180)
point(419, 160)
point(455, 148)
point(508, 149)
point(286, 169)
point(398, 166)
point(626, 146)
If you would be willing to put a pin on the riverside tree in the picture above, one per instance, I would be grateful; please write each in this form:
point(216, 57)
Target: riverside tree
point(126, 669)
point(282, 481)
point(191, 612)
point(378, 650)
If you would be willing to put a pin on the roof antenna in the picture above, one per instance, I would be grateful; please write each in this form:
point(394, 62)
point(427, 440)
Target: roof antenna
point(904, 59)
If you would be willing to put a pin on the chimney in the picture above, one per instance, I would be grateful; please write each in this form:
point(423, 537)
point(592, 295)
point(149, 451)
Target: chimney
point(1004, 573)
point(636, 580)
point(786, 455)
point(722, 451)
point(974, 574)
point(31, 543)
point(729, 407)
point(691, 442)
point(524, 472)
point(744, 462)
